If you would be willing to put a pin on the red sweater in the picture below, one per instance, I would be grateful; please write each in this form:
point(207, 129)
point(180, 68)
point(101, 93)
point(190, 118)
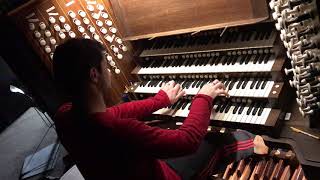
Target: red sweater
point(115, 145)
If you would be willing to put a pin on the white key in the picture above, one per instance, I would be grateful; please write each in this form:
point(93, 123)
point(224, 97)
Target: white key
point(248, 120)
point(242, 91)
point(184, 112)
point(239, 116)
point(268, 88)
point(213, 113)
point(244, 115)
point(269, 64)
point(164, 111)
point(233, 91)
point(260, 91)
point(254, 118)
point(264, 115)
point(247, 90)
point(229, 115)
point(234, 117)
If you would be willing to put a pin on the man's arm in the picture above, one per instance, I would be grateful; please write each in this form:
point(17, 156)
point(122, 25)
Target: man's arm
point(169, 94)
point(163, 143)
point(141, 108)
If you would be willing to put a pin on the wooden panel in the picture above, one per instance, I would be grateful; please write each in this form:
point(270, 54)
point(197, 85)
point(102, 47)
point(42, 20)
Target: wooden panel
point(153, 18)
point(60, 8)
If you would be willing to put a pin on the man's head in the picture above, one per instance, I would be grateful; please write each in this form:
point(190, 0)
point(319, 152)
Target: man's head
point(79, 66)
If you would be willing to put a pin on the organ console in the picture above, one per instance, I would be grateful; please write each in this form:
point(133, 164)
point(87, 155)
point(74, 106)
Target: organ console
point(248, 60)
point(247, 45)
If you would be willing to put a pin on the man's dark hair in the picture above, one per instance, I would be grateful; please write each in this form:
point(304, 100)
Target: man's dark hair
point(72, 62)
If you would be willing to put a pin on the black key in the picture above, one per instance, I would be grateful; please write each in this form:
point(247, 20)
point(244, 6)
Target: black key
point(239, 83)
point(180, 104)
point(227, 82)
point(248, 59)
point(266, 59)
point(262, 58)
point(249, 35)
point(258, 84)
point(235, 109)
point(183, 84)
point(205, 61)
point(189, 107)
point(243, 58)
point(146, 64)
point(244, 35)
point(267, 35)
point(263, 85)
point(203, 83)
point(241, 108)
point(160, 63)
point(224, 105)
point(257, 35)
point(180, 62)
point(227, 107)
point(175, 105)
point(160, 83)
point(262, 35)
point(151, 64)
point(235, 59)
point(218, 107)
point(211, 61)
point(225, 60)
point(253, 83)
point(255, 110)
point(217, 61)
point(194, 83)
point(230, 60)
point(261, 110)
point(184, 105)
point(244, 84)
point(232, 84)
point(250, 108)
point(192, 62)
point(256, 59)
point(175, 63)
point(144, 83)
point(170, 63)
point(189, 84)
point(154, 82)
point(150, 84)
point(199, 83)
point(197, 62)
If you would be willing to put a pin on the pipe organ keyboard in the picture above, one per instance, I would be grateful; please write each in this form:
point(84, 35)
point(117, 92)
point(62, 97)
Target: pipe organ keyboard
point(246, 59)
point(228, 110)
point(239, 87)
point(252, 60)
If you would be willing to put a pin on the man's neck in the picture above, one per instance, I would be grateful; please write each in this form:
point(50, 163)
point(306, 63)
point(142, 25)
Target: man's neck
point(91, 102)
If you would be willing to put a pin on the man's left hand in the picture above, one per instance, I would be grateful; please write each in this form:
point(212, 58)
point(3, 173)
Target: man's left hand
point(173, 91)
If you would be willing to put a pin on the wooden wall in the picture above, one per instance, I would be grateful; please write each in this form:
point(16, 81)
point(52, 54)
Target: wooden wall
point(153, 18)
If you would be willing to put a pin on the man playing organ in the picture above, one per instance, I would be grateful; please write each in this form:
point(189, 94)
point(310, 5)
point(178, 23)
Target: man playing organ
point(111, 142)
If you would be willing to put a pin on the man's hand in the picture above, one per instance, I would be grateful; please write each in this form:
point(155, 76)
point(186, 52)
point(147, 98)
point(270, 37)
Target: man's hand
point(214, 89)
point(173, 90)
point(259, 145)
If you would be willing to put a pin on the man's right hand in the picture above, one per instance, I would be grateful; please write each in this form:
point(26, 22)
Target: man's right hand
point(214, 89)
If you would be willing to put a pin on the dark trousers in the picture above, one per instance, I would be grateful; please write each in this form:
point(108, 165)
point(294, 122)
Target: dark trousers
point(213, 150)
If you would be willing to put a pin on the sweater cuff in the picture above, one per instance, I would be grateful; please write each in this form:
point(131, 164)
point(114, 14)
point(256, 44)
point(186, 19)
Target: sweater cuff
point(163, 96)
point(205, 97)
